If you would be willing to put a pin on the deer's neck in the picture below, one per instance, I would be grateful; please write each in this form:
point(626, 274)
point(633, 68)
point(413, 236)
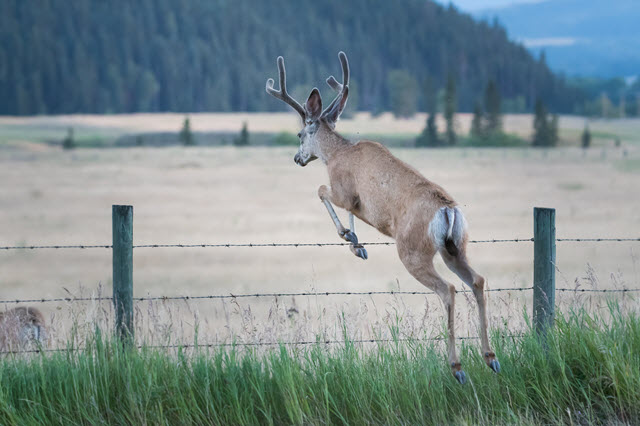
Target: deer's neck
point(330, 143)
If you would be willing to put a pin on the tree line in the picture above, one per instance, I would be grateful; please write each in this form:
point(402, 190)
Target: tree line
point(486, 125)
point(92, 56)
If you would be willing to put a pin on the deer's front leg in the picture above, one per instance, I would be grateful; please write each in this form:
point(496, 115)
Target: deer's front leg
point(346, 234)
point(357, 249)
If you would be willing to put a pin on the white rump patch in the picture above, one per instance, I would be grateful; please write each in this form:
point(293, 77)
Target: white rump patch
point(448, 223)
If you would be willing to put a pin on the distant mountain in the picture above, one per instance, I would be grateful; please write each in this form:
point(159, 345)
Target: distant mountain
point(97, 56)
point(579, 37)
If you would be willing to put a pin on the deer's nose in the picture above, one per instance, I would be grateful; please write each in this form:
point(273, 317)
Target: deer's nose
point(299, 135)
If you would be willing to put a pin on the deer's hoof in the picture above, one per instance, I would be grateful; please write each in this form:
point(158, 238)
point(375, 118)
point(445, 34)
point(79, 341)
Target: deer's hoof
point(350, 236)
point(360, 251)
point(492, 362)
point(461, 377)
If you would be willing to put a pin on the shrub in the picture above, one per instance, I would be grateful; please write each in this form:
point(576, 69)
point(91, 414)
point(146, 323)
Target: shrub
point(186, 136)
point(243, 137)
point(69, 142)
point(286, 139)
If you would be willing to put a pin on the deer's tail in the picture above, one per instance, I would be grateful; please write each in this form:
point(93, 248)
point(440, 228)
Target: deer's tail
point(447, 229)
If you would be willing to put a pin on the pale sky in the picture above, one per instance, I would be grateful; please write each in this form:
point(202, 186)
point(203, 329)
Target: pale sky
point(473, 5)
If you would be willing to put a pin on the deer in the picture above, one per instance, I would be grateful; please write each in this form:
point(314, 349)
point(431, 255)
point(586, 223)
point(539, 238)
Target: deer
point(368, 181)
point(21, 327)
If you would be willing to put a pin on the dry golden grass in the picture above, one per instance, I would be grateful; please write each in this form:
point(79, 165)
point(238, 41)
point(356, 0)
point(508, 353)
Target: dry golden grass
point(219, 195)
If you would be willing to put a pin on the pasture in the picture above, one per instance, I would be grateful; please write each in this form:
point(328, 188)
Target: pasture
point(258, 195)
point(217, 195)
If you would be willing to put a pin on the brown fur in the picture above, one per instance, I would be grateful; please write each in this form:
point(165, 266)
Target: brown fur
point(20, 326)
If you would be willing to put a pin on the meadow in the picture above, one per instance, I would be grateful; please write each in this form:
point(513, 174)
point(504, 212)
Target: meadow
point(257, 194)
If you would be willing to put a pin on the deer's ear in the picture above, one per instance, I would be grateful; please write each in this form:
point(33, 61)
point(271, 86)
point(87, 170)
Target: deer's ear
point(334, 113)
point(313, 106)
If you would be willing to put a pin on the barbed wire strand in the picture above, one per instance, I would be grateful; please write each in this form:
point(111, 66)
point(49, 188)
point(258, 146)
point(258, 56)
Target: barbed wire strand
point(57, 299)
point(302, 294)
point(81, 246)
point(599, 290)
point(249, 344)
point(230, 245)
point(257, 295)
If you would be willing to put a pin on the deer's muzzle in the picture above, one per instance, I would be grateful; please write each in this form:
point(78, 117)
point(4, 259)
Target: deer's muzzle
point(298, 160)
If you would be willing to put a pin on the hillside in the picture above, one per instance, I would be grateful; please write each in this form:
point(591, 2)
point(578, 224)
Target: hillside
point(586, 37)
point(93, 56)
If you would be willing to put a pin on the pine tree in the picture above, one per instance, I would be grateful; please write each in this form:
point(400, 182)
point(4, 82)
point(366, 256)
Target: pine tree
point(432, 130)
point(243, 138)
point(492, 104)
point(477, 129)
point(586, 137)
point(429, 135)
point(606, 106)
point(186, 136)
point(541, 126)
point(450, 105)
point(69, 142)
point(402, 93)
point(553, 130)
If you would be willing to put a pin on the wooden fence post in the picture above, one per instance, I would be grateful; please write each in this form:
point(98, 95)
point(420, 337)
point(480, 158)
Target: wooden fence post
point(544, 264)
point(122, 221)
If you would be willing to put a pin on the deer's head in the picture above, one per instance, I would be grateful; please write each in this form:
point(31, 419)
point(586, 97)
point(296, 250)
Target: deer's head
point(312, 114)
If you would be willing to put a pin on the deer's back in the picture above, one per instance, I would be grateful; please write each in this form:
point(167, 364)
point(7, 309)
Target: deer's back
point(383, 190)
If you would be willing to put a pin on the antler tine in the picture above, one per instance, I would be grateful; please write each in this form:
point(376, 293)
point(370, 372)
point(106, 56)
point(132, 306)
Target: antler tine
point(340, 88)
point(333, 83)
point(345, 68)
point(282, 93)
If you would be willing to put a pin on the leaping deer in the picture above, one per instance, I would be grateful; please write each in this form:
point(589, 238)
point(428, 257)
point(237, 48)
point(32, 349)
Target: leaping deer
point(393, 197)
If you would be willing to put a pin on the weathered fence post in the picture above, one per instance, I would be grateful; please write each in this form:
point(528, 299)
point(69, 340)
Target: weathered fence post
point(122, 221)
point(544, 263)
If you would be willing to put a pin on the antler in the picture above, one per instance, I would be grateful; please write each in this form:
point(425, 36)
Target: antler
point(282, 93)
point(342, 89)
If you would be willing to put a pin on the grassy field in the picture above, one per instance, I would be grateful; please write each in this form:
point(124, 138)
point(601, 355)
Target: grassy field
point(257, 194)
point(586, 371)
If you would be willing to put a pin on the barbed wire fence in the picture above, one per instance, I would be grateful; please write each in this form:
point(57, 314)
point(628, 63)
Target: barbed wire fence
point(278, 343)
point(257, 245)
point(302, 294)
point(544, 285)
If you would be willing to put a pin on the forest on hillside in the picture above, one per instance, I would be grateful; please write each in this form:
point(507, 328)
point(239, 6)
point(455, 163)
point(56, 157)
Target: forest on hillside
point(94, 56)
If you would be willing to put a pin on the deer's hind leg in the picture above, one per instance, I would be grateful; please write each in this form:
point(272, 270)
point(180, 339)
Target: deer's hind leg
point(348, 235)
point(420, 265)
point(459, 265)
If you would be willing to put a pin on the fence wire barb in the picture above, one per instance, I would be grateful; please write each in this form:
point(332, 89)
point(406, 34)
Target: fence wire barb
point(230, 245)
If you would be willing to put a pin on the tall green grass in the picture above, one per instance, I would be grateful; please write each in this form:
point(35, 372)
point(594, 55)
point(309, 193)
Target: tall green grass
point(585, 370)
